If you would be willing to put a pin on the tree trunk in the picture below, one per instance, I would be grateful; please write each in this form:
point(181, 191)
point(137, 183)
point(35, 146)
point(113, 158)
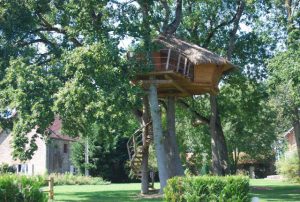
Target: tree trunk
point(235, 160)
point(174, 161)
point(218, 143)
point(158, 137)
point(145, 157)
point(296, 125)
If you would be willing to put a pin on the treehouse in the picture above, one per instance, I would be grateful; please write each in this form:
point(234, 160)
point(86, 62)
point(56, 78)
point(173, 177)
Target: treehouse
point(182, 69)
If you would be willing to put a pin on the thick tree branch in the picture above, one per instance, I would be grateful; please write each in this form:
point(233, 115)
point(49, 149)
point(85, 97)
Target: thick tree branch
point(212, 31)
point(44, 62)
point(172, 27)
point(123, 3)
point(201, 118)
point(49, 27)
point(26, 43)
point(138, 115)
point(232, 34)
point(288, 5)
point(167, 9)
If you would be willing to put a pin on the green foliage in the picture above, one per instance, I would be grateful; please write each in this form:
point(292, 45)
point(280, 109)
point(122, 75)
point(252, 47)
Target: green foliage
point(284, 82)
point(29, 89)
point(5, 168)
point(106, 158)
point(248, 120)
point(60, 52)
point(207, 188)
point(288, 166)
point(21, 188)
point(70, 179)
point(248, 123)
point(194, 139)
point(95, 93)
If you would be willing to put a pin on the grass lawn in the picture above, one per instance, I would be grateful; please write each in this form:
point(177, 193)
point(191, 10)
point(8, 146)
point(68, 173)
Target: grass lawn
point(105, 193)
point(274, 190)
point(266, 190)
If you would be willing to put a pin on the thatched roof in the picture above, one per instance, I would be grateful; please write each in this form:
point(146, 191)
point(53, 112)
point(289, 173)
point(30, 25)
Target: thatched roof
point(196, 54)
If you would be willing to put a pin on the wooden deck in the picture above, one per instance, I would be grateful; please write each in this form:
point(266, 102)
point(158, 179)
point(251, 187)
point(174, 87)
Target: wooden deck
point(171, 83)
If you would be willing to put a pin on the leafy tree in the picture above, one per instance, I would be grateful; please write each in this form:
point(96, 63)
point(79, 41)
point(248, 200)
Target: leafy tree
point(242, 100)
point(284, 69)
point(48, 68)
point(249, 122)
point(284, 83)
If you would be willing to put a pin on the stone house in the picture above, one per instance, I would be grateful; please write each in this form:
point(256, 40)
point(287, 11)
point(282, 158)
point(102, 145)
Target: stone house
point(51, 156)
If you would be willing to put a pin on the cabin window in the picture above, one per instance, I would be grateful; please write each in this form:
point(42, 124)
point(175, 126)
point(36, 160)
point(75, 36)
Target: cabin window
point(65, 148)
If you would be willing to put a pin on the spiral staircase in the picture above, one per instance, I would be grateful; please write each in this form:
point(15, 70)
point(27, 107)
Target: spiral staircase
point(135, 149)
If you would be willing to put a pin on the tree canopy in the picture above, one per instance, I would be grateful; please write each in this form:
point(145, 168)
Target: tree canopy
point(64, 58)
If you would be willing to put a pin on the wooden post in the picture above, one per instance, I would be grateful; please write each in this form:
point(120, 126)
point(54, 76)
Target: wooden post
point(185, 63)
point(188, 70)
point(50, 184)
point(168, 59)
point(86, 156)
point(178, 63)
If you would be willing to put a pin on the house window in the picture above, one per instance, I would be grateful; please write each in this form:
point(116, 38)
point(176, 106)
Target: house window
point(22, 168)
point(65, 148)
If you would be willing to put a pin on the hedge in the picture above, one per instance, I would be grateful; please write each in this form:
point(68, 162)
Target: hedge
point(70, 179)
point(207, 188)
point(21, 188)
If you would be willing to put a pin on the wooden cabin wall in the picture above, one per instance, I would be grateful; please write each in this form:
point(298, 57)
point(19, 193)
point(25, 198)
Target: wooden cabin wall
point(204, 73)
point(157, 61)
point(217, 75)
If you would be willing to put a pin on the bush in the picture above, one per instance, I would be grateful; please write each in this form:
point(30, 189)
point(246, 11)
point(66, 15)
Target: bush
point(289, 167)
point(207, 188)
point(5, 168)
point(70, 179)
point(21, 188)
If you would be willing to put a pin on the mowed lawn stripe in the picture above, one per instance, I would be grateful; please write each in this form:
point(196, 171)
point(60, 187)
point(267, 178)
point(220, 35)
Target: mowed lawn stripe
point(109, 193)
point(266, 190)
point(274, 190)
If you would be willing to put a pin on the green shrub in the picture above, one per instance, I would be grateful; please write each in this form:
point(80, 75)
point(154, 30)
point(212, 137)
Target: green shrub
point(207, 188)
point(289, 167)
point(21, 188)
point(5, 168)
point(70, 179)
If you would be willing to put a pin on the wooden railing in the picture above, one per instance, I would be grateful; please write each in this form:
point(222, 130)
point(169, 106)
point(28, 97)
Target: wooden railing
point(166, 60)
point(171, 60)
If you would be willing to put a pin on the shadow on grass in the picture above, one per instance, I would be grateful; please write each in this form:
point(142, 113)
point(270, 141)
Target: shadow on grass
point(105, 196)
point(277, 193)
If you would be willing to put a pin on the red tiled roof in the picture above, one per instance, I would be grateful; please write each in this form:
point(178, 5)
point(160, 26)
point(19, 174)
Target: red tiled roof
point(55, 130)
point(289, 132)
